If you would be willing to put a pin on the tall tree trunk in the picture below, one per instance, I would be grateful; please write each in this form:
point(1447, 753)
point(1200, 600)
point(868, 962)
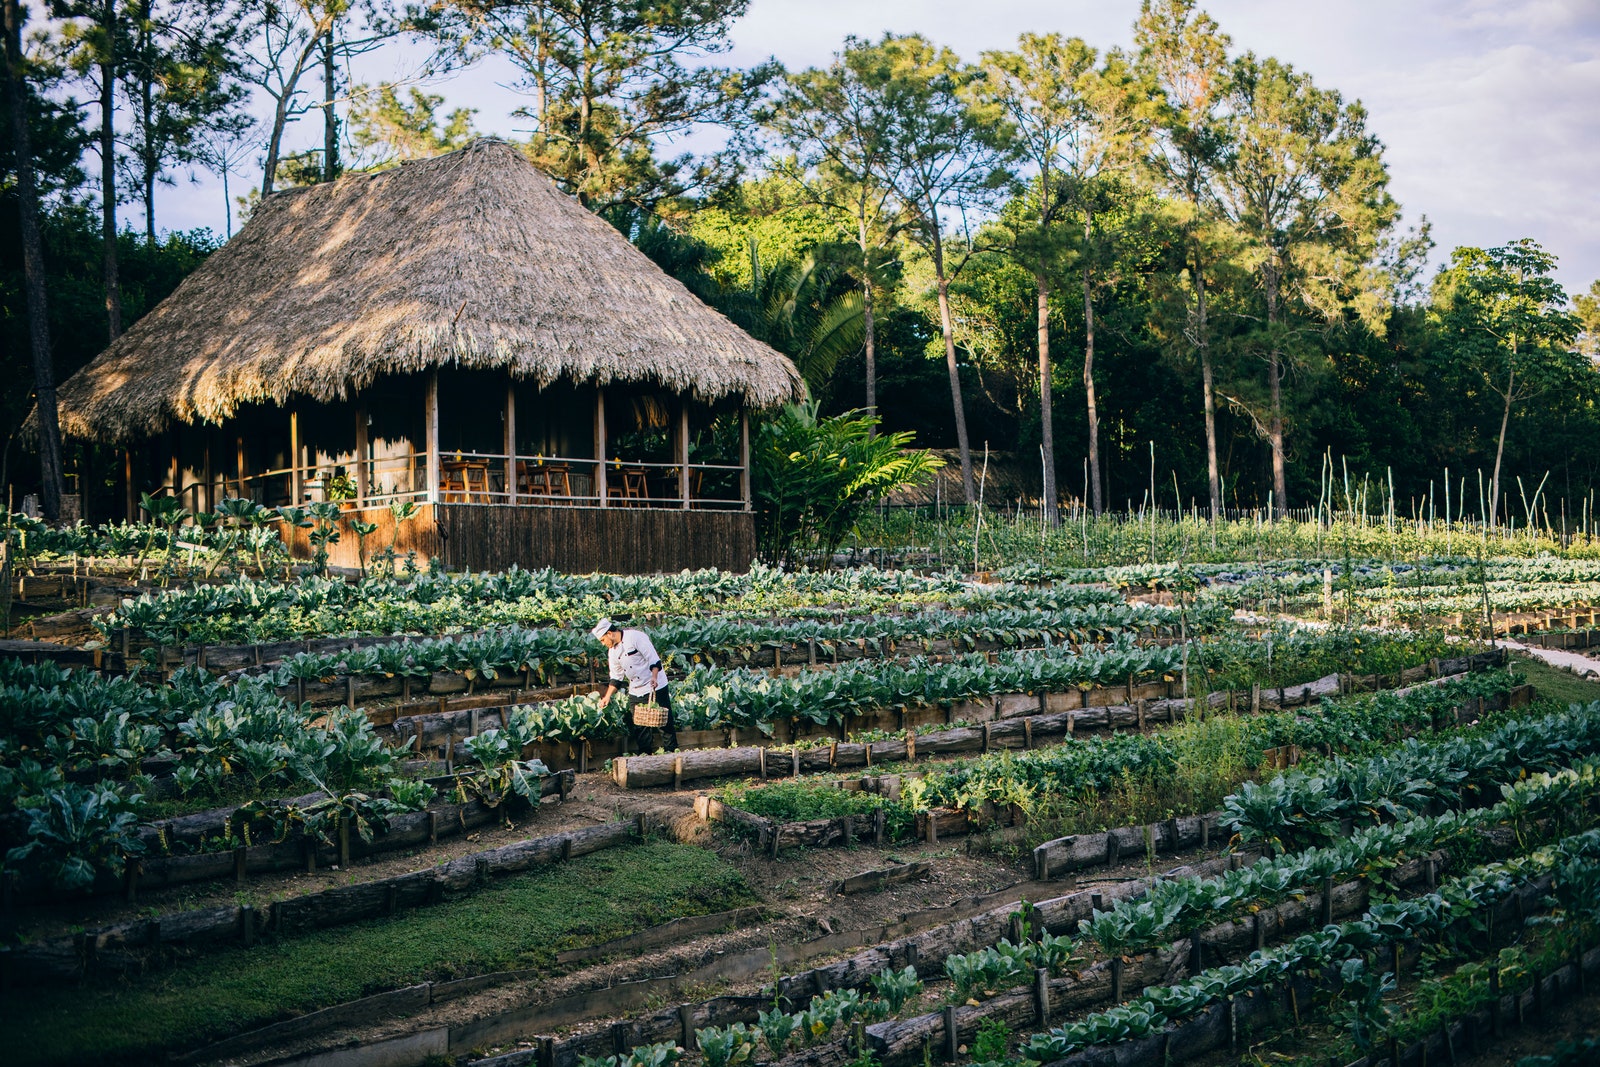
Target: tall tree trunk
point(269, 166)
point(866, 312)
point(108, 170)
point(1500, 446)
point(149, 162)
point(1088, 381)
point(330, 117)
point(1208, 388)
point(1275, 390)
point(1047, 437)
point(44, 376)
point(947, 328)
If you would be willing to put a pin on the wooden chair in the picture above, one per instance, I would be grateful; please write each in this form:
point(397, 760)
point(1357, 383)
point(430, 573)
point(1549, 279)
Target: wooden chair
point(475, 476)
point(548, 479)
point(634, 491)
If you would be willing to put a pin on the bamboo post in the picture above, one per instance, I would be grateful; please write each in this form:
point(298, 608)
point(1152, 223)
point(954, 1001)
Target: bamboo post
point(430, 416)
point(600, 446)
point(683, 452)
point(744, 457)
point(362, 459)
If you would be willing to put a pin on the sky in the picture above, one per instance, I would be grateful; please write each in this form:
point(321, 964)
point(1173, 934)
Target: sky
point(1489, 110)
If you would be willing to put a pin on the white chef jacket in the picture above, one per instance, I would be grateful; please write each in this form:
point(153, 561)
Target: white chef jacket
point(631, 661)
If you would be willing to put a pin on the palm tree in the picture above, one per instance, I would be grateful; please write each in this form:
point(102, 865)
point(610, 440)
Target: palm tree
point(808, 309)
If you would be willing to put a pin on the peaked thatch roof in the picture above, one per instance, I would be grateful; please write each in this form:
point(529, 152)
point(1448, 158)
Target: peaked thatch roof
point(473, 259)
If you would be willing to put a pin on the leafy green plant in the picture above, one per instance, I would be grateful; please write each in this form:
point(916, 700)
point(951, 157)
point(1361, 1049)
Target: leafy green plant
point(897, 987)
point(76, 832)
point(725, 1046)
point(814, 476)
point(777, 1029)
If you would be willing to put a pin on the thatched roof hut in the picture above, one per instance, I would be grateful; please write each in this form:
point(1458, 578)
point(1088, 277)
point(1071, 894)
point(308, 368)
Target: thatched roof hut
point(460, 334)
point(473, 259)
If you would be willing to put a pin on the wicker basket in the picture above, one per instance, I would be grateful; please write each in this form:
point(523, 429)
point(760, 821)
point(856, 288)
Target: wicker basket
point(650, 714)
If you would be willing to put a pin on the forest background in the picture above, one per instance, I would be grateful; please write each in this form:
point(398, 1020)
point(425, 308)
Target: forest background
point(1175, 266)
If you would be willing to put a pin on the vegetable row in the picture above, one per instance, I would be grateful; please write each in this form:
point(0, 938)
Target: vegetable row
point(1094, 764)
point(1339, 949)
point(249, 610)
point(549, 653)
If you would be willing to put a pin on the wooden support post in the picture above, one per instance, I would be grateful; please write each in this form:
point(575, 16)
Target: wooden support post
point(430, 422)
point(683, 451)
point(1327, 901)
point(1116, 979)
point(686, 1026)
point(296, 468)
point(951, 1036)
point(511, 442)
point(239, 865)
point(744, 457)
point(247, 924)
point(878, 827)
point(1027, 733)
point(344, 842)
point(600, 448)
point(130, 496)
point(1041, 997)
point(363, 459)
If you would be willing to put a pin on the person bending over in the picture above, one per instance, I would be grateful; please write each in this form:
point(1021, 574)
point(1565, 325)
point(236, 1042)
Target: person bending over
point(636, 667)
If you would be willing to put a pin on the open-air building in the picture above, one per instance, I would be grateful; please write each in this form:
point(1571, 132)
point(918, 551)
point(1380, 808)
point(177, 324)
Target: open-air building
point(459, 333)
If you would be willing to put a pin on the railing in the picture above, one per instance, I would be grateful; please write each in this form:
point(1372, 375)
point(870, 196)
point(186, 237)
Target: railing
point(481, 478)
point(543, 481)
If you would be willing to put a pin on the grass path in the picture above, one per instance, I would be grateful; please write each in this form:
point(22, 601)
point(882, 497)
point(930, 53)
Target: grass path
point(521, 922)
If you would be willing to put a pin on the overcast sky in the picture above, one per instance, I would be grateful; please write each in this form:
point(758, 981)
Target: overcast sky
point(1489, 109)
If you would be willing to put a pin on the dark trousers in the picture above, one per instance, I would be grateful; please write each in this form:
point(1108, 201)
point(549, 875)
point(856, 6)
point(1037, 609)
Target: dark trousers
point(645, 739)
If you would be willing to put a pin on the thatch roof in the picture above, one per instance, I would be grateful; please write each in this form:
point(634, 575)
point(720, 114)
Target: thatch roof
point(472, 259)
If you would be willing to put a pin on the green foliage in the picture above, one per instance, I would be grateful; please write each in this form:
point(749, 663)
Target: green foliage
point(75, 832)
point(813, 477)
point(1343, 946)
point(798, 800)
point(777, 1028)
point(897, 987)
point(993, 1043)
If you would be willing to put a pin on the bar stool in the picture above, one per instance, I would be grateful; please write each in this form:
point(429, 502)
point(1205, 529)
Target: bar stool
point(634, 488)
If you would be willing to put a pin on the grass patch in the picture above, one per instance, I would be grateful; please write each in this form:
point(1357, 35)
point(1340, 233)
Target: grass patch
point(518, 922)
point(1553, 683)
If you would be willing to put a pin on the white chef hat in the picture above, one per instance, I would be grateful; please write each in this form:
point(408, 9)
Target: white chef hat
point(601, 628)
